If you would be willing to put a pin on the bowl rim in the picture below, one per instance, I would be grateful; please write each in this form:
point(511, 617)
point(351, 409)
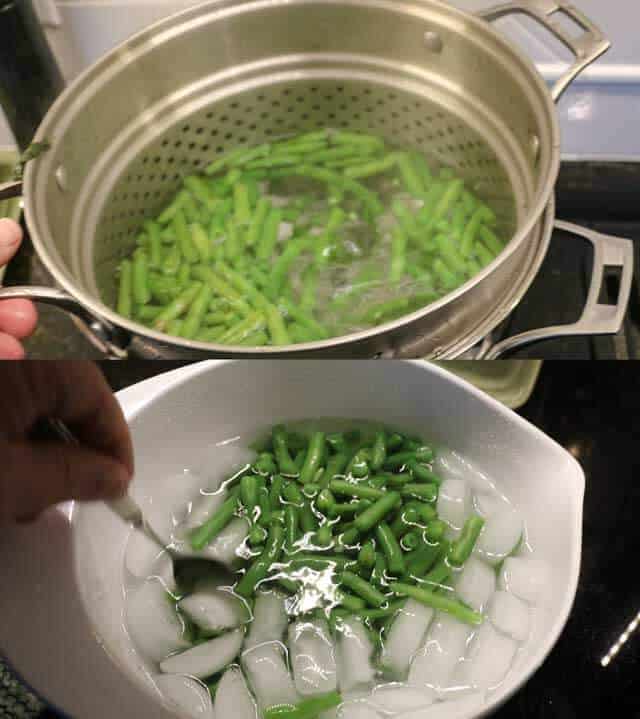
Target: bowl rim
point(145, 393)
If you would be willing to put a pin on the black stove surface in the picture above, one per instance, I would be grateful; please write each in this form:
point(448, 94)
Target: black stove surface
point(592, 411)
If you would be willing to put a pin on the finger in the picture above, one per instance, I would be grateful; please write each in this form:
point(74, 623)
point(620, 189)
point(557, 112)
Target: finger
point(18, 318)
point(34, 476)
point(85, 401)
point(10, 348)
point(10, 239)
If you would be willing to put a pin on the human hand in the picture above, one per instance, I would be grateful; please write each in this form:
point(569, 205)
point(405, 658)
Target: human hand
point(18, 318)
point(35, 474)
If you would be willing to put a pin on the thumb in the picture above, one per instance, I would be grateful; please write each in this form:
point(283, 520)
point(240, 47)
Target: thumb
point(36, 476)
point(10, 238)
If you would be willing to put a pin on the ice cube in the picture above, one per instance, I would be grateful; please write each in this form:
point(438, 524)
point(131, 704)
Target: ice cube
point(476, 583)
point(510, 615)
point(488, 658)
point(186, 694)
point(500, 535)
point(454, 502)
point(525, 577)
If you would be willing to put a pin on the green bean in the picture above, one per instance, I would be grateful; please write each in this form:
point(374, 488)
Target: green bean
point(287, 584)
point(369, 199)
point(326, 501)
point(439, 574)
point(148, 313)
point(409, 176)
point(210, 334)
point(437, 601)
point(359, 464)
point(311, 489)
point(422, 473)
point(485, 257)
point(398, 254)
point(258, 571)
point(249, 154)
point(220, 318)
point(313, 458)
point(183, 235)
point(257, 535)
point(275, 323)
point(435, 530)
point(291, 492)
point(281, 266)
point(265, 464)
point(406, 519)
point(257, 221)
point(307, 518)
point(264, 503)
point(411, 540)
point(309, 290)
point(422, 168)
point(378, 511)
point(378, 452)
point(378, 576)
point(426, 492)
point(283, 458)
point(201, 242)
point(426, 512)
point(172, 261)
point(400, 459)
point(305, 319)
point(374, 167)
point(184, 275)
point(480, 215)
point(306, 709)
point(363, 589)
point(490, 240)
point(375, 614)
point(324, 536)
point(367, 554)
point(378, 482)
point(125, 289)
point(205, 533)
point(450, 254)
point(463, 546)
point(301, 455)
point(169, 212)
point(195, 315)
point(350, 602)
point(450, 196)
point(242, 206)
point(178, 306)
point(348, 537)
point(155, 244)
point(348, 509)
point(378, 312)
point(391, 548)
point(277, 483)
point(140, 280)
point(302, 559)
point(448, 279)
point(344, 137)
point(423, 558)
point(351, 489)
point(394, 441)
point(254, 322)
point(291, 521)
point(249, 492)
point(174, 327)
point(269, 237)
point(399, 480)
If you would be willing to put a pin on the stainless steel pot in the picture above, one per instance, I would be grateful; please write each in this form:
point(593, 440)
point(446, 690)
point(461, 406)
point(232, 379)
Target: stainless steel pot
point(224, 73)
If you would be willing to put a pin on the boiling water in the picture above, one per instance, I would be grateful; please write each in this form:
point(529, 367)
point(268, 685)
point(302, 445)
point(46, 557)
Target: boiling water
point(286, 649)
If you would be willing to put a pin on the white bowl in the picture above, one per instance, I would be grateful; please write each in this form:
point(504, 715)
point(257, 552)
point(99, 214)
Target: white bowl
point(62, 577)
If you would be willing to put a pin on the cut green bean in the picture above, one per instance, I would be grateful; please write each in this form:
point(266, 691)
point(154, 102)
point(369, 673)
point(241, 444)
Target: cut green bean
point(283, 458)
point(258, 571)
point(437, 601)
point(400, 459)
point(292, 493)
point(269, 236)
point(141, 292)
point(178, 306)
point(426, 492)
point(423, 558)
point(391, 548)
point(351, 489)
point(313, 458)
point(463, 546)
point(203, 535)
point(363, 589)
point(378, 452)
point(291, 522)
point(377, 511)
point(196, 313)
point(367, 554)
point(422, 473)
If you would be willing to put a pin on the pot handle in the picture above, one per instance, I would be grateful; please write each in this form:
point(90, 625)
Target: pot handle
point(587, 48)
point(10, 190)
point(109, 340)
point(597, 318)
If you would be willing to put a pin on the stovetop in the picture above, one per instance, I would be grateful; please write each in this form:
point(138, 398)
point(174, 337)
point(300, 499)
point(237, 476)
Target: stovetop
point(602, 196)
point(591, 410)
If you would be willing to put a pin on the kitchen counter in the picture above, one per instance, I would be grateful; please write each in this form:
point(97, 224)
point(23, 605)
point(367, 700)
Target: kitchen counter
point(601, 195)
point(592, 412)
